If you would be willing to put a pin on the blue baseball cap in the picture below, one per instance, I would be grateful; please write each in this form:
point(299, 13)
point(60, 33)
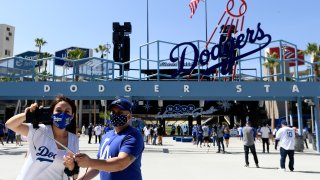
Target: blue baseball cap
point(122, 103)
point(284, 122)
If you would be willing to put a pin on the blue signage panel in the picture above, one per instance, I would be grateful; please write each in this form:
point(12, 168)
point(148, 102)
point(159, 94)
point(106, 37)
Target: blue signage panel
point(161, 90)
point(24, 64)
point(31, 55)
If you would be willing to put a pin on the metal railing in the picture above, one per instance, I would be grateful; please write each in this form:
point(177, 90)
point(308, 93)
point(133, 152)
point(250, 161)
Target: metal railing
point(251, 68)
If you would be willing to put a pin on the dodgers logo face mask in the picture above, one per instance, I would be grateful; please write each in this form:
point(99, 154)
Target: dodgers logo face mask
point(61, 120)
point(118, 120)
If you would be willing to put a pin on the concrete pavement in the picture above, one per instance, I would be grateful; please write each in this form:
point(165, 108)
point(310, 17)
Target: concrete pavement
point(184, 161)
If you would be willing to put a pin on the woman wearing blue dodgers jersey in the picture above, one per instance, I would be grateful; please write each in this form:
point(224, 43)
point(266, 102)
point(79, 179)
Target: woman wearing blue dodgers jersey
point(45, 156)
point(120, 151)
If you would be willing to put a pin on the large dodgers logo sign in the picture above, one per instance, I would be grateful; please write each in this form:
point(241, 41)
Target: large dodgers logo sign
point(184, 110)
point(225, 48)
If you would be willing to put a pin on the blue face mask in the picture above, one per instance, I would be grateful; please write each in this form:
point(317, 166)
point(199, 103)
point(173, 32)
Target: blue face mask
point(118, 120)
point(61, 120)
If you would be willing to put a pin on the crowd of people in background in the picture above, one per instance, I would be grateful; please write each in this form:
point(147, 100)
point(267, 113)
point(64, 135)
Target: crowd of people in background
point(153, 134)
point(218, 134)
point(97, 131)
point(9, 136)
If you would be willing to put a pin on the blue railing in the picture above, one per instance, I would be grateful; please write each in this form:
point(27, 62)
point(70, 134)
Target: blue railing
point(152, 68)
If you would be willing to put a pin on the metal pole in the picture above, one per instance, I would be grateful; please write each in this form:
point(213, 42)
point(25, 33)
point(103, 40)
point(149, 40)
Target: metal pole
point(287, 113)
point(299, 113)
point(312, 121)
point(148, 38)
point(206, 16)
point(105, 111)
point(317, 122)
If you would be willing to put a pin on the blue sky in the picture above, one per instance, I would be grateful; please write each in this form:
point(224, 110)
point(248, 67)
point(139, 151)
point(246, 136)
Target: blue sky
point(65, 23)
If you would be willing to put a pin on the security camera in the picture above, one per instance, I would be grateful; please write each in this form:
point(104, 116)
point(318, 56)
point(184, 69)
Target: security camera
point(309, 102)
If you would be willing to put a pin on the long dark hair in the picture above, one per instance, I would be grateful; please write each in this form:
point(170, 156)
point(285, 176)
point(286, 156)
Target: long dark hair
point(72, 127)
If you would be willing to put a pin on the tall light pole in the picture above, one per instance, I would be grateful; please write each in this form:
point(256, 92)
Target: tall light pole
point(206, 16)
point(311, 105)
point(108, 47)
point(148, 37)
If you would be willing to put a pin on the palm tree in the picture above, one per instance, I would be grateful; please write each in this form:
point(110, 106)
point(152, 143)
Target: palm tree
point(102, 49)
point(76, 54)
point(313, 49)
point(39, 43)
point(46, 55)
point(271, 62)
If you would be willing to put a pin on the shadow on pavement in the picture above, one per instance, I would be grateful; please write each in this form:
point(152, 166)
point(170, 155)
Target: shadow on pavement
point(307, 172)
point(269, 168)
point(19, 152)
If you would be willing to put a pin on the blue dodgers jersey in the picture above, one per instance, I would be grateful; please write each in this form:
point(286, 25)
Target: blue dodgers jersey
point(130, 141)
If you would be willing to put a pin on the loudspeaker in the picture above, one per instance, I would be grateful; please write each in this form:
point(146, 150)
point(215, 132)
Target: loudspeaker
point(116, 53)
point(116, 39)
point(126, 52)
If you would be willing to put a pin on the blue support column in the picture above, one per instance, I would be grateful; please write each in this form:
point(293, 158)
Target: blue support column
point(317, 122)
point(299, 113)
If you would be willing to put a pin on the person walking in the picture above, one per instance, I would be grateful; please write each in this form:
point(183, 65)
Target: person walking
point(286, 137)
point(200, 136)
point(305, 133)
point(155, 135)
point(160, 133)
point(205, 130)
point(179, 130)
point(90, 131)
point(120, 151)
point(214, 136)
point(18, 139)
point(239, 132)
point(194, 134)
point(220, 133)
point(265, 134)
point(97, 133)
point(226, 135)
point(83, 130)
point(11, 136)
point(276, 141)
point(2, 129)
point(248, 137)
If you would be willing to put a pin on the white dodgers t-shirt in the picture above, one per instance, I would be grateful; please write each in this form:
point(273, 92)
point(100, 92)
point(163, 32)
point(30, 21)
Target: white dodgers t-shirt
point(97, 130)
point(45, 160)
point(286, 136)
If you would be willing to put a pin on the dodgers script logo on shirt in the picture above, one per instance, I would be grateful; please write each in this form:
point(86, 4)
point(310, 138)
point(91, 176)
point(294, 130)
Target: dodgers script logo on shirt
point(45, 155)
point(104, 151)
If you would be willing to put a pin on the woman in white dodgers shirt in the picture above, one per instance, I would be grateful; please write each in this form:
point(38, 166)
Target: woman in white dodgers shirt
point(45, 156)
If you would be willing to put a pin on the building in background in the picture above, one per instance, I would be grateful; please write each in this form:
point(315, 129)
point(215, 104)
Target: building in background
point(64, 54)
point(6, 40)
